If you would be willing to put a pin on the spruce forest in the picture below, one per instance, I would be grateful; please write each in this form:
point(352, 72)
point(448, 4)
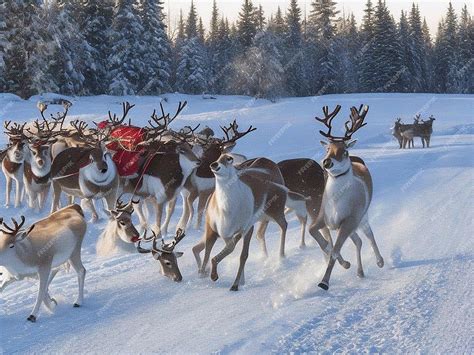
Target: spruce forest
point(125, 47)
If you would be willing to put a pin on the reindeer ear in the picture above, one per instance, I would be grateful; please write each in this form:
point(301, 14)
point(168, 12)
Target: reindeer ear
point(227, 147)
point(351, 143)
point(179, 254)
point(324, 143)
point(114, 213)
point(23, 234)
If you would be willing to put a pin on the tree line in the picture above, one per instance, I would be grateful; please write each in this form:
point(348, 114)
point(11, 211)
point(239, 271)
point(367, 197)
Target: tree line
point(123, 47)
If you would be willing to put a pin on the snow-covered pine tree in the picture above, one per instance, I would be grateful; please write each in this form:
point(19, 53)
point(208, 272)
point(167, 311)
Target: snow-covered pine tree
point(259, 72)
point(247, 24)
point(322, 23)
point(428, 47)
point(348, 49)
point(384, 53)
point(294, 58)
point(446, 47)
point(365, 70)
point(277, 24)
point(406, 52)
point(95, 19)
point(223, 57)
point(417, 64)
point(125, 60)
point(28, 54)
point(3, 44)
point(157, 49)
point(260, 18)
point(212, 44)
point(461, 74)
point(192, 71)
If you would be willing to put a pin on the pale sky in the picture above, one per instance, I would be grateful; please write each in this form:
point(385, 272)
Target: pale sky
point(433, 10)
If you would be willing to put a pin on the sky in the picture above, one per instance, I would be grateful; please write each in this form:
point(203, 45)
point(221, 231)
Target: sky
point(433, 10)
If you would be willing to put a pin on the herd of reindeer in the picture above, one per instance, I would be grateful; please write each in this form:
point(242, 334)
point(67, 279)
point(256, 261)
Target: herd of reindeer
point(152, 166)
point(406, 133)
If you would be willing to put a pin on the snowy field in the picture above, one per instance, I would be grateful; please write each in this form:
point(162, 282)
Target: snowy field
point(422, 215)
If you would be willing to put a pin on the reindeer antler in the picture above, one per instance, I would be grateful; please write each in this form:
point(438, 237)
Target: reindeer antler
point(232, 133)
point(356, 121)
point(162, 123)
point(114, 120)
point(327, 120)
point(125, 207)
point(15, 131)
point(56, 120)
point(356, 117)
point(16, 226)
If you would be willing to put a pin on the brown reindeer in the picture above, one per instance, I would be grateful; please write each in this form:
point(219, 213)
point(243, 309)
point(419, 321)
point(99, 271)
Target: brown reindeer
point(13, 161)
point(42, 248)
point(241, 198)
point(200, 184)
point(347, 193)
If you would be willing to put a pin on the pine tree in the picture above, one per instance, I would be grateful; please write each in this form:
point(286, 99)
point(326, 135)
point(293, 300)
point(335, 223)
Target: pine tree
point(259, 72)
point(260, 18)
point(294, 58)
point(125, 61)
point(223, 57)
point(192, 22)
point(406, 52)
point(246, 25)
point(3, 44)
point(277, 24)
point(214, 26)
point(446, 47)
point(94, 24)
point(157, 52)
point(417, 64)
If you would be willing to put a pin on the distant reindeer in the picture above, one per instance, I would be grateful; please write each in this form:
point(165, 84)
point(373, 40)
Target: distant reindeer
point(42, 248)
point(347, 194)
point(240, 199)
point(13, 161)
point(426, 130)
point(396, 132)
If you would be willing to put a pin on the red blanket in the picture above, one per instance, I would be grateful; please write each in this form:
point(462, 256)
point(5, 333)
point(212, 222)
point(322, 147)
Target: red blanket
point(125, 142)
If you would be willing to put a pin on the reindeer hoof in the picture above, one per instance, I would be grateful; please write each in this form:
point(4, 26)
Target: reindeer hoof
point(214, 276)
point(54, 301)
point(380, 263)
point(203, 273)
point(234, 288)
point(345, 264)
point(302, 246)
point(360, 274)
point(324, 286)
point(76, 305)
point(32, 319)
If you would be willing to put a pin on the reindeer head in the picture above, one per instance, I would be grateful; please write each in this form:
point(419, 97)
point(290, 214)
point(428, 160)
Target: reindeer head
point(165, 254)
point(122, 215)
point(224, 167)
point(16, 141)
point(10, 236)
point(213, 148)
point(337, 161)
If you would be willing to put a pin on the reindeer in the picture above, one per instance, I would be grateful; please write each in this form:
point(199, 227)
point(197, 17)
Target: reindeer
point(42, 248)
point(13, 159)
point(85, 172)
point(347, 193)
point(426, 130)
point(165, 254)
point(396, 132)
point(201, 182)
point(164, 168)
point(37, 169)
point(240, 199)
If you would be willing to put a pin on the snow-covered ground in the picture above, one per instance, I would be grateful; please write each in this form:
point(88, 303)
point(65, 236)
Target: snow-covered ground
point(422, 216)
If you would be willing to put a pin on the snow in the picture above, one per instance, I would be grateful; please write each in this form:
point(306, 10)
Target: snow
point(421, 214)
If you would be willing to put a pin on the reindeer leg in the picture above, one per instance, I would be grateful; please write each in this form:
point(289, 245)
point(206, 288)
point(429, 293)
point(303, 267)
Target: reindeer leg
point(8, 189)
point(76, 263)
point(169, 212)
point(19, 188)
point(87, 203)
point(283, 224)
point(327, 235)
point(314, 232)
point(210, 237)
point(367, 231)
point(261, 235)
point(303, 221)
point(141, 214)
point(49, 301)
point(56, 196)
point(358, 244)
point(229, 248)
point(343, 233)
point(159, 215)
point(43, 274)
point(243, 259)
point(202, 203)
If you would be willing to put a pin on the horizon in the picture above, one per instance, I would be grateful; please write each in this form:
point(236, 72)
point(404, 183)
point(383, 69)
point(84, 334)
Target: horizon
point(432, 10)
